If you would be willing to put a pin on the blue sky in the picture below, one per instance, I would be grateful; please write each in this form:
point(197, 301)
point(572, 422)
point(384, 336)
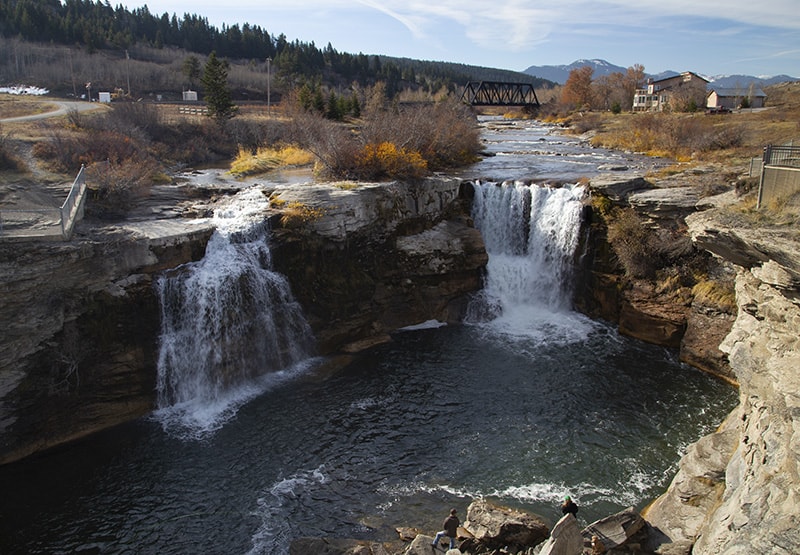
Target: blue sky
point(710, 37)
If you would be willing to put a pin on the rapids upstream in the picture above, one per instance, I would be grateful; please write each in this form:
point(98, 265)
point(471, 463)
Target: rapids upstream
point(525, 402)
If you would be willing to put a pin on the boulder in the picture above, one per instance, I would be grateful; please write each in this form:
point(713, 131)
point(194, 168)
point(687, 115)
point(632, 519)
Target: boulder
point(565, 539)
point(495, 527)
point(618, 189)
point(668, 204)
point(615, 530)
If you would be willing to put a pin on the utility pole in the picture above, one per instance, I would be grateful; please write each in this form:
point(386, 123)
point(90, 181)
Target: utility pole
point(269, 105)
point(128, 71)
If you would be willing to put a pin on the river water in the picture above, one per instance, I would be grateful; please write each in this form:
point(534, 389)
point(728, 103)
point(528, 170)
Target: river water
point(525, 402)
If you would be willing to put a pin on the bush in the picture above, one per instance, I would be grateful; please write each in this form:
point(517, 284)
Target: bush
point(68, 151)
point(116, 186)
point(8, 160)
point(632, 242)
point(388, 160)
point(445, 134)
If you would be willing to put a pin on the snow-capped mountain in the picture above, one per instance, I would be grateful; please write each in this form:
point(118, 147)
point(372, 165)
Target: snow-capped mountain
point(559, 74)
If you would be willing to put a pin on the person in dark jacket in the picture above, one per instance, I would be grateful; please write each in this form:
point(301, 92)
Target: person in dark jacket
point(450, 529)
point(569, 506)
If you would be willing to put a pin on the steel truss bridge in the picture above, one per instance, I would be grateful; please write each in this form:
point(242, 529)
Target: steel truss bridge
point(498, 93)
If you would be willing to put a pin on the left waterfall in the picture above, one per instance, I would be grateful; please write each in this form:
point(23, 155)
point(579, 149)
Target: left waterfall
point(230, 326)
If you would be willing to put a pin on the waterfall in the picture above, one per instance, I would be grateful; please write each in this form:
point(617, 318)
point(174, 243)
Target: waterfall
point(227, 321)
point(531, 234)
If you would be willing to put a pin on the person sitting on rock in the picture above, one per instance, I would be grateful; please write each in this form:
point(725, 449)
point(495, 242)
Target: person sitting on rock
point(450, 529)
point(569, 506)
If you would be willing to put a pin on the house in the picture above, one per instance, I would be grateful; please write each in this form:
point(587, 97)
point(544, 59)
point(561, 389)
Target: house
point(739, 97)
point(680, 92)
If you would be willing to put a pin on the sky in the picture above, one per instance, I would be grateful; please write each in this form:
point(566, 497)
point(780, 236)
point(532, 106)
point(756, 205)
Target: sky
point(708, 37)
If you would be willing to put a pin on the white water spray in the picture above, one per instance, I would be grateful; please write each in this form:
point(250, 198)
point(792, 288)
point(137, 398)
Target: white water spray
point(226, 322)
point(531, 234)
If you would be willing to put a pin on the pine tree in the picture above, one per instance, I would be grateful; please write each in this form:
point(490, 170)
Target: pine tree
point(191, 69)
point(217, 93)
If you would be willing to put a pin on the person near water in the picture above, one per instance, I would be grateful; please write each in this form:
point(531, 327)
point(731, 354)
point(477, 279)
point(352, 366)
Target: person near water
point(597, 546)
point(569, 506)
point(449, 529)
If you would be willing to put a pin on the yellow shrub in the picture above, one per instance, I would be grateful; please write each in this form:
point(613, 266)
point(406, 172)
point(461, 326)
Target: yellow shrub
point(388, 160)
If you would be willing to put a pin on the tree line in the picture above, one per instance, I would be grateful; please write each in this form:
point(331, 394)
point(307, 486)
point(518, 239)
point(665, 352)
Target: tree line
point(97, 26)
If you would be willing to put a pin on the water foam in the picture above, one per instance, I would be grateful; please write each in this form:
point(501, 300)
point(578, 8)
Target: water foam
point(273, 536)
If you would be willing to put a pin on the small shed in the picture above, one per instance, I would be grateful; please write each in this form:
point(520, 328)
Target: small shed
point(739, 97)
point(104, 97)
point(190, 96)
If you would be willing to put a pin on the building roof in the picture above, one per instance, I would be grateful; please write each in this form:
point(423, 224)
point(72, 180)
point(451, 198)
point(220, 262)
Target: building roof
point(680, 75)
point(738, 91)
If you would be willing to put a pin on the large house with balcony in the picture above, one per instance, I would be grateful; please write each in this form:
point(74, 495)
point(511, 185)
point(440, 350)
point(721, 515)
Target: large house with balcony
point(681, 92)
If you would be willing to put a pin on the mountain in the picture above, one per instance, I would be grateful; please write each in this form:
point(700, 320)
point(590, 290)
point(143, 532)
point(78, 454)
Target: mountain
point(559, 74)
point(738, 81)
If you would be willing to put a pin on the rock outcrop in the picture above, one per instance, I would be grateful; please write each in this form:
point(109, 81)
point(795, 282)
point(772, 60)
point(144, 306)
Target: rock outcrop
point(661, 310)
point(737, 490)
point(494, 527)
point(378, 257)
point(79, 349)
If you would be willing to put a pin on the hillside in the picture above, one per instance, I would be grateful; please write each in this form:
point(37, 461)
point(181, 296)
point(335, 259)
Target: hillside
point(76, 47)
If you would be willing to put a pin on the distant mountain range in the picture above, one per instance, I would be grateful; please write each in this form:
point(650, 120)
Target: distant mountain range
point(559, 74)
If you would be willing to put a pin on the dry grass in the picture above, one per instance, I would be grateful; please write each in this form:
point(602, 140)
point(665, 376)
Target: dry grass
point(715, 294)
point(12, 106)
point(729, 138)
point(296, 214)
point(267, 159)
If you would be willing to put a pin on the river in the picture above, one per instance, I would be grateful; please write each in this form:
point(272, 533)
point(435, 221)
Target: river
point(524, 403)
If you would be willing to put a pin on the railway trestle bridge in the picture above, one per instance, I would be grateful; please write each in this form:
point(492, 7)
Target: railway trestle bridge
point(499, 93)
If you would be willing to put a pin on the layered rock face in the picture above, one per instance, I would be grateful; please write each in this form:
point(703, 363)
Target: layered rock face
point(737, 490)
point(658, 310)
point(79, 349)
point(379, 257)
point(81, 321)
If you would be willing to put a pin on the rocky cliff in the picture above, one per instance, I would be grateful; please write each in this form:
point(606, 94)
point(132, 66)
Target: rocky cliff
point(79, 346)
point(660, 305)
point(737, 490)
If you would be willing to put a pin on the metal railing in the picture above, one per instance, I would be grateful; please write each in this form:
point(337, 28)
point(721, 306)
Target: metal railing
point(782, 155)
point(46, 223)
point(757, 163)
point(779, 175)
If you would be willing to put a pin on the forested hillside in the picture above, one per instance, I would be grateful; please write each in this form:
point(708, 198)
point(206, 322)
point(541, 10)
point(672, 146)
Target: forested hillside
point(34, 29)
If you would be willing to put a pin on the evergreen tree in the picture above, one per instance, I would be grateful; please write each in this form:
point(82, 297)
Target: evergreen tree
point(217, 93)
point(191, 69)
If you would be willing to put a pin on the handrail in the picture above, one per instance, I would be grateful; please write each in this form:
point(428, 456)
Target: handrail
point(64, 217)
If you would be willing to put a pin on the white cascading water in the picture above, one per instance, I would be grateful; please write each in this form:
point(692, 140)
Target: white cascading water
point(531, 233)
point(227, 321)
